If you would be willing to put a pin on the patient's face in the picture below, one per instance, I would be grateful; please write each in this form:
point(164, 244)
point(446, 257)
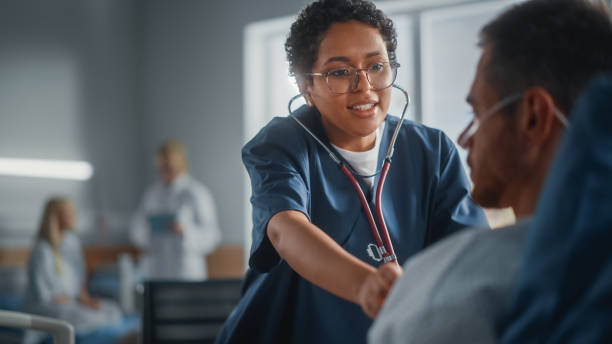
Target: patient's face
point(492, 149)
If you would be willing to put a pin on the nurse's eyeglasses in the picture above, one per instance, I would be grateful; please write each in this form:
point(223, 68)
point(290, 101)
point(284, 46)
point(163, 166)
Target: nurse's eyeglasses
point(474, 124)
point(343, 80)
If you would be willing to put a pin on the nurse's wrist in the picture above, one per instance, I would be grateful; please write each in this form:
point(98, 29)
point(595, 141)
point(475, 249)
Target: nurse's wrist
point(360, 288)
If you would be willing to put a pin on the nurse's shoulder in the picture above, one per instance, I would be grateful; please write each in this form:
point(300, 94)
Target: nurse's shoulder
point(421, 133)
point(423, 138)
point(283, 136)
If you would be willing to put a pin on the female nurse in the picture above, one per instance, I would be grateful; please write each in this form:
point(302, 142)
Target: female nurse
point(313, 276)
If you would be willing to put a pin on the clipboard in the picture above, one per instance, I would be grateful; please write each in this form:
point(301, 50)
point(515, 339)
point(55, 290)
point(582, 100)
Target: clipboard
point(161, 223)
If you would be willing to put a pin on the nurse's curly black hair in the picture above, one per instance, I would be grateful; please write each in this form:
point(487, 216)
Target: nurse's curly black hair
point(302, 45)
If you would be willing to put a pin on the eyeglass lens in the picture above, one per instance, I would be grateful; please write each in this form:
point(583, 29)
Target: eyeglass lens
point(344, 80)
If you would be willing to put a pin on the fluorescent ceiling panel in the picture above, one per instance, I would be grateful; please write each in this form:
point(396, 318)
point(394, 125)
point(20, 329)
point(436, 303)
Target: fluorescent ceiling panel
point(37, 168)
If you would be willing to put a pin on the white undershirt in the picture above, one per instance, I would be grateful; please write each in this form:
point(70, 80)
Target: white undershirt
point(364, 163)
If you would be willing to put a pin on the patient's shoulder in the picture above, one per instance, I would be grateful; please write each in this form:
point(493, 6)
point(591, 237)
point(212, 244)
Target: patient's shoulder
point(454, 291)
point(473, 242)
point(464, 262)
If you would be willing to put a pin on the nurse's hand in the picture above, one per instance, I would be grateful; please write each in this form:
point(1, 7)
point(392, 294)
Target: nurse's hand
point(376, 287)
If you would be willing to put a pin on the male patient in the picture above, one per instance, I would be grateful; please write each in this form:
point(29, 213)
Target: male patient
point(536, 58)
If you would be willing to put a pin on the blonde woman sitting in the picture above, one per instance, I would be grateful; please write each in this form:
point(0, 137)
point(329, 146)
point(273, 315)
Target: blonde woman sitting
point(56, 274)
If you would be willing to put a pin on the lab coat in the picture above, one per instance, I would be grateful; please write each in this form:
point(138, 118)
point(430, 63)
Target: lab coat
point(45, 284)
point(426, 197)
point(169, 255)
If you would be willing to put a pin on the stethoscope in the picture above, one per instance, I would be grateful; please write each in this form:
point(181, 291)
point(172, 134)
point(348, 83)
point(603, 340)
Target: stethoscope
point(385, 249)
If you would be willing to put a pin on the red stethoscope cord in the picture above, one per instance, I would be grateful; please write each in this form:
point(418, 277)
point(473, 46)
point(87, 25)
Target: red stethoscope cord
point(386, 248)
point(381, 220)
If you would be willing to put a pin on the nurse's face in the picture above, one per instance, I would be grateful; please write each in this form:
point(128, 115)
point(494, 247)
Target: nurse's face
point(494, 155)
point(351, 119)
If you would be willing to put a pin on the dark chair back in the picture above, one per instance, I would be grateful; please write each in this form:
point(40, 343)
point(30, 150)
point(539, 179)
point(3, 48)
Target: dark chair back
point(187, 312)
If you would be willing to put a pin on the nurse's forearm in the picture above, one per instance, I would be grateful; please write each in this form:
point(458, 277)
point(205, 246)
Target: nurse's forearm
point(316, 256)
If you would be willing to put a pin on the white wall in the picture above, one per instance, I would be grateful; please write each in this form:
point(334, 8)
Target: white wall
point(193, 90)
point(105, 81)
point(67, 91)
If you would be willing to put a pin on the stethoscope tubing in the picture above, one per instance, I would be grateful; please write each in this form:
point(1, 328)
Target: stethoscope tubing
point(386, 248)
point(365, 205)
point(389, 253)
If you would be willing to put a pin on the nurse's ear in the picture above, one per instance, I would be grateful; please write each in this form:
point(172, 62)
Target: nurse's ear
point(304, 86)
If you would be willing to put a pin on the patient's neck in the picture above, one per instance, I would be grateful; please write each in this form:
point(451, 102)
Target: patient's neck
point(524, 210)
point(525, 202)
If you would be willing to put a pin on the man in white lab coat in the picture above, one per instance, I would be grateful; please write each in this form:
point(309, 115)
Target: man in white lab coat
point(176, 222)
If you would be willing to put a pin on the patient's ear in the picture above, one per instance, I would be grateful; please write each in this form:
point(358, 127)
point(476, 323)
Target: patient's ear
point(537, 118)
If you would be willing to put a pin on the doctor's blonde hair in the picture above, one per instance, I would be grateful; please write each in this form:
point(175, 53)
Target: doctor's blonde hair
point(174, 147)
point(50, 230)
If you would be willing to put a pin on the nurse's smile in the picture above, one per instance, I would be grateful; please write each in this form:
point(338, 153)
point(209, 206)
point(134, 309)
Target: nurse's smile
point(364, 109)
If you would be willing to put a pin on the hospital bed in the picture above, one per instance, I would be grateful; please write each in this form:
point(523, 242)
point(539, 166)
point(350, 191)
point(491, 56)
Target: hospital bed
point(61, 331)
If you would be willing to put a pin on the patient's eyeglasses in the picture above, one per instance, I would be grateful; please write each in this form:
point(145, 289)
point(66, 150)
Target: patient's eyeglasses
point(342, 80)
point(474, 124)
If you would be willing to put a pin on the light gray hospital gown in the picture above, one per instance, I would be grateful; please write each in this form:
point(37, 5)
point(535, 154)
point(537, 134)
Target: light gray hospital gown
point(457, 291)
point(45, 284)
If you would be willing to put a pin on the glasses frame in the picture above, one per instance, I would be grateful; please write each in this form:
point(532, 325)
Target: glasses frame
point(474, 124)
point(392, 65)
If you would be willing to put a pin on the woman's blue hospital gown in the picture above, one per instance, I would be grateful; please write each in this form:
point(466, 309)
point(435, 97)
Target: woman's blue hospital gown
point(426, 197)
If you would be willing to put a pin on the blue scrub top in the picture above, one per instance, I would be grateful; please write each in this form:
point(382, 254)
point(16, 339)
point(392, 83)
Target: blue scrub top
point(425, 197)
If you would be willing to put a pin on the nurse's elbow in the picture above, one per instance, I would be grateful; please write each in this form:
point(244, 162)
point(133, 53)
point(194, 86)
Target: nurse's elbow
point(279, 228)
point(274, 230)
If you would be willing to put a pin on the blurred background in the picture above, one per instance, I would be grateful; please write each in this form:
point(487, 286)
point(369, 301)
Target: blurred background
point(105, 82)
point(90, 88)
point(101, 83)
